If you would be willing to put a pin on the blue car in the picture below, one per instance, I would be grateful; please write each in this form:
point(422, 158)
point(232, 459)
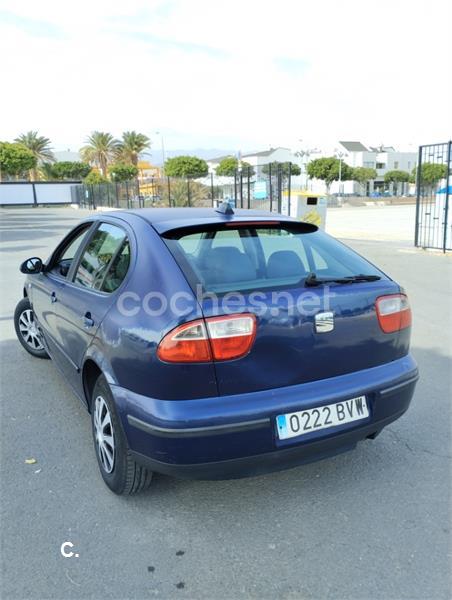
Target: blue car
point(218, 343)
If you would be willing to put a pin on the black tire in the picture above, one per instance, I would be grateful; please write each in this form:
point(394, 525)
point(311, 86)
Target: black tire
point(26, 331)
point(126, 476)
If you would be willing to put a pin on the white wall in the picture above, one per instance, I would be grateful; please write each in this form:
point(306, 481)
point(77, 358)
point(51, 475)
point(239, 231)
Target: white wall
point(46, 193)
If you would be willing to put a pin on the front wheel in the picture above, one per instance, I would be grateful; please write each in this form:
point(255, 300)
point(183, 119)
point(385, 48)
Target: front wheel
point(27, 330)
point(118, 469)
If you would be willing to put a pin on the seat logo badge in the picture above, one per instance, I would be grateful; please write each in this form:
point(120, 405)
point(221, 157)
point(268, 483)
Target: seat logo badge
point(324, 322)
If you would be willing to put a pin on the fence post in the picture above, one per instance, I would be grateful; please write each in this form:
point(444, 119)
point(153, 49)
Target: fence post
point(127, 194)
point(241, 188)
point(188, 192)
point(418, 195)
point(249, 188)
point(235, 189)
point(93, 199)
point(169, 192)
point(35, 199)
point(279, 186)
point(137, 191)
point(211, 189)
point(271, 187)
point(289, 189)
point(446, 205)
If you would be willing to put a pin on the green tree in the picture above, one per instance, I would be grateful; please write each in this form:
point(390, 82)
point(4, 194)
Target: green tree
point(122, 172)
point(180, 189)
point(362, 175)
point(186, 166)
point(95, 177)
point(327, 169)
point(15, 160)
point(285, 167)
point(101, 148)
point(396, 176)
point(431, 175)
point(131, 145)
point(39, 146)
point(72, 170)
point(230, 165)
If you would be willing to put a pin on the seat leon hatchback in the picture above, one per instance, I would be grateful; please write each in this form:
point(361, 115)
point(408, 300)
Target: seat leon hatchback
point(213, 344)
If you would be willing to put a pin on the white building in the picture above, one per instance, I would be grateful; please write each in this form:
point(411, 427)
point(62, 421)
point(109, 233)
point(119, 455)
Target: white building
point(257, 159)
point(382, 159)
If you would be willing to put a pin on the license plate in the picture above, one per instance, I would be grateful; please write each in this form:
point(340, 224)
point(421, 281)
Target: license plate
point(314, 419)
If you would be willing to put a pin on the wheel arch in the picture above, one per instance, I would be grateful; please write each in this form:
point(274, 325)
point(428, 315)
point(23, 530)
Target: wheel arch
point(90, 374)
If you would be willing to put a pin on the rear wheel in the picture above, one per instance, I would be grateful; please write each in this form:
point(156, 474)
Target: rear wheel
point(117, 467)
point(27, 330)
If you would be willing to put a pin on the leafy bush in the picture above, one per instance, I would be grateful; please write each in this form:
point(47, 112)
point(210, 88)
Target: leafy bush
point(122, 172)
point(95, 177)
point(186, 166)
point(230, 165)
point(72, 170)
point(15, 159)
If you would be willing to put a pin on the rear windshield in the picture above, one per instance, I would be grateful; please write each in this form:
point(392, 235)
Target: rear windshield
point(261, 257)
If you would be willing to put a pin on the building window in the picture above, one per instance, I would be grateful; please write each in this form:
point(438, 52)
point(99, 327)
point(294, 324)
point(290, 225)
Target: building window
point(381, 165)
point(396, 164)
point(369, 164)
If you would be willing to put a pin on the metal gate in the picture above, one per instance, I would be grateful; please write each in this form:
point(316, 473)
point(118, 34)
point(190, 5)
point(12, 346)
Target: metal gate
point(433, 193)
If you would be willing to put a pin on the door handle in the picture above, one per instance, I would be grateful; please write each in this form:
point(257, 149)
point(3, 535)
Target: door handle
point(53, 297)
point(88, 321)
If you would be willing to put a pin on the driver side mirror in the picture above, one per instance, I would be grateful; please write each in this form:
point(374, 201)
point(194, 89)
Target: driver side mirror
point(32, 266)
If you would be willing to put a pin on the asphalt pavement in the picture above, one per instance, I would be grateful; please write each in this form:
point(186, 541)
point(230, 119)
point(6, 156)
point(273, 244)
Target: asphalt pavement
point(372, 523)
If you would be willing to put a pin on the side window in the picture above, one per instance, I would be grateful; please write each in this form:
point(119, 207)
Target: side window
point(100, 252)
point(191, 243)
point(319, 262)
point(277, 240)
point(118, 269)
point(228, 238)
point(66, 255)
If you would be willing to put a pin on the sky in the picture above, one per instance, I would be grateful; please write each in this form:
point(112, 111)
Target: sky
point(235, 74)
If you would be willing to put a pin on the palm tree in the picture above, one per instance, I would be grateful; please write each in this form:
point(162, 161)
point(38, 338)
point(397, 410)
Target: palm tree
point(40, 146)
point(100, 149)
point(131, 145)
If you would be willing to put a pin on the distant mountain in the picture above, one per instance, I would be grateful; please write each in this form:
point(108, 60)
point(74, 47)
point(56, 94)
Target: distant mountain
point(155, 155)
point(66, 155)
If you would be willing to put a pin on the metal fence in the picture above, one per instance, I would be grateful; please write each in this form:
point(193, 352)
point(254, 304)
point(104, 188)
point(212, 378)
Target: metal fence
point(433, 193)
point(262, 187)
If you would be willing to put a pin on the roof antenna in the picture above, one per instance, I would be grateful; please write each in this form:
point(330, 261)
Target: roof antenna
point(225, 208)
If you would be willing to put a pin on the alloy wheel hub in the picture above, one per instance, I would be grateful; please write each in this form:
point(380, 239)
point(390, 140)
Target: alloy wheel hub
point(104, 435)
point(29, 330)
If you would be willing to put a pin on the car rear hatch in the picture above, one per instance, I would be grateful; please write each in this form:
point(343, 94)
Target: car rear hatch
point(306, 329)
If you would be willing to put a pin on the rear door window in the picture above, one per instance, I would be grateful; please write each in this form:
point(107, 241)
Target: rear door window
point(101, 251)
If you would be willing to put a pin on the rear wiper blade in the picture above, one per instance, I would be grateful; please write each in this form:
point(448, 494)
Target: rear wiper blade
point(362, 277)
point(312, 279)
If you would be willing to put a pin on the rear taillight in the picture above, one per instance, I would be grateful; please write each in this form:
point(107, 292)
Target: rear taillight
point(215, 338)
point(393, 312)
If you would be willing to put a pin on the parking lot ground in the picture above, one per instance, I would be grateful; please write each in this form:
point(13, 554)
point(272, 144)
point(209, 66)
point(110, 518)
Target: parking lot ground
point(382, 223)
point(372, 523)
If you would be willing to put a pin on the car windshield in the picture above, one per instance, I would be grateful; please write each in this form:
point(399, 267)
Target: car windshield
point(240, 258)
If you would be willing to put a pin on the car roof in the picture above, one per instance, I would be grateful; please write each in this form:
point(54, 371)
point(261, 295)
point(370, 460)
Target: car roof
point(165, 219)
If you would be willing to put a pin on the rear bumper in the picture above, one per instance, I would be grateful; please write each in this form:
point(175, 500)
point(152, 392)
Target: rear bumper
point(235, 436)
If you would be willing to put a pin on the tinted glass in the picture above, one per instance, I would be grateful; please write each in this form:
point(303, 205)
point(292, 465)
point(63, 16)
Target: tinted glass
point(66, 255)
point(118, 269)
point(98, 255)
point(71, 250)
point(261, 258)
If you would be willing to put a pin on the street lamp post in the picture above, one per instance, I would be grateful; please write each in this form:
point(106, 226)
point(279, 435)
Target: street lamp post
point(340, 155)
point(163, 150)
point(306, 153)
